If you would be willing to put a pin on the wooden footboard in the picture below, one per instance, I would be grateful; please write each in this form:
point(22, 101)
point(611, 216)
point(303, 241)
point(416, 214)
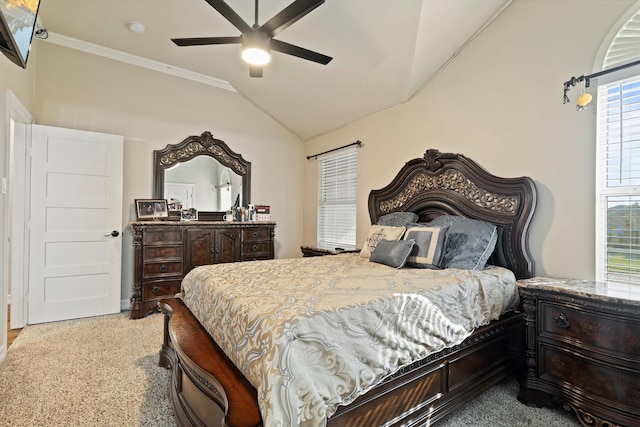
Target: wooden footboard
point(207, 390)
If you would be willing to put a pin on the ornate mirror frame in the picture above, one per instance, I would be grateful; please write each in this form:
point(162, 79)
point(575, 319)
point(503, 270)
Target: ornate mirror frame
point(203, 145)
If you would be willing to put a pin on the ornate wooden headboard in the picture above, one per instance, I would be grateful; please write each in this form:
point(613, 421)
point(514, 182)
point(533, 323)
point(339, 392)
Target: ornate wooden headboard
point(447, 183)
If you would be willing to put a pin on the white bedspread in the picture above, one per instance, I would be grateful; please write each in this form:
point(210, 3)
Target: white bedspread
point(311, 334)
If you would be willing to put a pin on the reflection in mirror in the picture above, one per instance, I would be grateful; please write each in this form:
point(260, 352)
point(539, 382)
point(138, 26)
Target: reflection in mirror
point(202, 183)
point(201, 172)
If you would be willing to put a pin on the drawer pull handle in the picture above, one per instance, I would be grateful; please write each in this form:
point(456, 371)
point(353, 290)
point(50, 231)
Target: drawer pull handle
point(155, 290)
point(163, 268)
point(254, 248)
point(163, 237)
point(561, 321)
point(255, 234)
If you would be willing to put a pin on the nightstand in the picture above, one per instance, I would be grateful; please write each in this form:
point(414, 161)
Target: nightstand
point(582, 348)
point(308, 251)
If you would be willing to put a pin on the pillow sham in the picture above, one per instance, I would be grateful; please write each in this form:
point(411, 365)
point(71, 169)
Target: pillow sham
point(429, 248)
point(393, 253)
point(398, 219)
point(378, 233)
point(470, 242)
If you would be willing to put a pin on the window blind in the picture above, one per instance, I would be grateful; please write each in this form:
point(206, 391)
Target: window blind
point(618, 182)
point(337, 200)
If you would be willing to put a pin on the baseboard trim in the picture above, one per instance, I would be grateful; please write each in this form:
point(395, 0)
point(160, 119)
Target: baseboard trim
point(124, 304)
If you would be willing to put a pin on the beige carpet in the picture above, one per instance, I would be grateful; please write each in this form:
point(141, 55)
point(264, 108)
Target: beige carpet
point(103, 371)
point(100, 371)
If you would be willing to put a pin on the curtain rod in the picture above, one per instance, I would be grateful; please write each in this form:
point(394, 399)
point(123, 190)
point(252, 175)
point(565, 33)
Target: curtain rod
point(575, 80)
point(358, 143)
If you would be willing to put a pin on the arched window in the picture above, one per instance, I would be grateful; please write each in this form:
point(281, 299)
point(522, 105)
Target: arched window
point(618, 155)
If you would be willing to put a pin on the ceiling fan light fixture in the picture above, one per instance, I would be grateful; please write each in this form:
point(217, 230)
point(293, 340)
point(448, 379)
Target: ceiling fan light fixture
point(256, 55)
point(255, 48)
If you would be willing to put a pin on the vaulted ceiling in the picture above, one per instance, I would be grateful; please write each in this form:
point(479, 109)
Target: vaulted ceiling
point(384, 51)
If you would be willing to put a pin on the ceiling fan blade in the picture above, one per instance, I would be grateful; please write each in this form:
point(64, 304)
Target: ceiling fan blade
point(255, 71)
point(197, 41)
point(288, 16)
point(230, 15)
point(300, 52)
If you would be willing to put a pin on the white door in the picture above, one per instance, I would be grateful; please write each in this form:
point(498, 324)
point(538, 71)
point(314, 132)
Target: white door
point(181, 192)
point(75, 240)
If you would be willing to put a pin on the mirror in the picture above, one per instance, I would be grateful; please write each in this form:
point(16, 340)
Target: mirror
point(201, 172)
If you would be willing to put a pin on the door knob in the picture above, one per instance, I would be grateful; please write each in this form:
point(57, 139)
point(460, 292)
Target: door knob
point(114, 233)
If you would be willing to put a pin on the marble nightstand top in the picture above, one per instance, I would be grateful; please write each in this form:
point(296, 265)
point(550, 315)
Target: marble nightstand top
point(604, 291)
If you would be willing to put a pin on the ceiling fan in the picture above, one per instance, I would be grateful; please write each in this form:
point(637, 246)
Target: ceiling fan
point(257, 40)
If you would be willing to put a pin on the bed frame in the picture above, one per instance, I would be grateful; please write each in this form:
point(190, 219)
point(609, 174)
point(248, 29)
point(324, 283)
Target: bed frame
point(208, 390)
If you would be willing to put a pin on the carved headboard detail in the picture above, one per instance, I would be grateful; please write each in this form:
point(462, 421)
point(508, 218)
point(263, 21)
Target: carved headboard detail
point(447, 183)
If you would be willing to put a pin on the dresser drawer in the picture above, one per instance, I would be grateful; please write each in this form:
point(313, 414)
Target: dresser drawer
point(618, 336)
point(158, 289)
point(617, 385)
point(256, 234)
point(150, 253)
point(162, 237)
point(162, 269)
point(254, 251)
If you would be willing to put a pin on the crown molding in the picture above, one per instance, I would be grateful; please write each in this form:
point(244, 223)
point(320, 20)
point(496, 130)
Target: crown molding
point(138, 61)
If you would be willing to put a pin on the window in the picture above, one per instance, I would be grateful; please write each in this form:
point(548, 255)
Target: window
point(618, 182)
point(337, 200)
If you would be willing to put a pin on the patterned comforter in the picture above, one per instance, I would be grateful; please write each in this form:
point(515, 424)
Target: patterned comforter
point(314, 333)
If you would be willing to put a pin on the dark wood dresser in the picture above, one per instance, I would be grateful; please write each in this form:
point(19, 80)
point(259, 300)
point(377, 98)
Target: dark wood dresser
point(164, 251)
point(583, 349)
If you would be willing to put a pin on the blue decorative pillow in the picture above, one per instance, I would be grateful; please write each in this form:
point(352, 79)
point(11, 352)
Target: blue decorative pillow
point(393, 253)
point(398, 219)
point(470, 242)
point(429, 249)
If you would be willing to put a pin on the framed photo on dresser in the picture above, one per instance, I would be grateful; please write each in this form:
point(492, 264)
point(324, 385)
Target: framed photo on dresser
point(151, 209)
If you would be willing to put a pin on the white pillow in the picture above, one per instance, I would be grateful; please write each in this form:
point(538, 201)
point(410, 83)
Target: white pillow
point(377, 233)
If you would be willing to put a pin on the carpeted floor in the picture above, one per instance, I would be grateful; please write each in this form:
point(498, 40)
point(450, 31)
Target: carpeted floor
point(103, 371)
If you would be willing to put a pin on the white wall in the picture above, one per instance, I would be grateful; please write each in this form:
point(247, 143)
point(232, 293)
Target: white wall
point(151, 109)
point(500, 103)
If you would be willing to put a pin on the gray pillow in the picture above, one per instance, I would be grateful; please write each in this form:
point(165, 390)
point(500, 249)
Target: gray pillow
point(397, 219)
point(428, 251)
point(393, 253)
point(470, 242)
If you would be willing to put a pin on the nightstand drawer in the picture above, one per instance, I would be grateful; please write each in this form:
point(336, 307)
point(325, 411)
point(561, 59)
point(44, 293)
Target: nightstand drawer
point(256, 234)
point(158, 289)
point(161, 269)
point(162, 237)
point(618, 336)
point(617, 385)
point(150, 253)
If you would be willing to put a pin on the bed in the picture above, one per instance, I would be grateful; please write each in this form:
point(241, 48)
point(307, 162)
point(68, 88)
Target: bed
point(428, 381)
